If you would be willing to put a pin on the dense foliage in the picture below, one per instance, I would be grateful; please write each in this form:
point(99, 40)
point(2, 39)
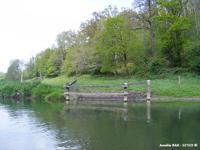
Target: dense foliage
point(14, 70)
point(153, 37)
point(32, 90)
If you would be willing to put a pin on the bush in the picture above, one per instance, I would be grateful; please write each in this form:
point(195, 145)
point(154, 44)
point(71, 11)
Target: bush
point(193, 54)
point(54, 96)
point(33, 89)
point(47, 92)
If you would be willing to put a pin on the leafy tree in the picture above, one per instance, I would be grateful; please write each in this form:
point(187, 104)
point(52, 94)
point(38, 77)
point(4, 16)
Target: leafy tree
point(114, 45)
point(2, 75)
point(157, 34)
point(30, 69)
point(81, 57)
point(192, 54)
point(65, 40)
point(147, 10)
point(91, 27)
point(193, 10)
point(41, 62)
point(172, 27)
point(54, 64)
point(14, 70)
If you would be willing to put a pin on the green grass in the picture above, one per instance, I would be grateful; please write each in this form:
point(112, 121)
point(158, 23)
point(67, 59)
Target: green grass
point(58, 81)
point(190, 85)
point(90, 80)
point(1, 77)
point(52, 89)
point(31, 89)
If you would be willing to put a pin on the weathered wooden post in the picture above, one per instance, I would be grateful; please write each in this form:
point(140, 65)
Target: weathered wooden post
point(148, 111)
point(125, 112)
point(125, 93)
point(179, 113)
point(68, 90)
point(67, 95)
point(148, 90)
point(179, 81)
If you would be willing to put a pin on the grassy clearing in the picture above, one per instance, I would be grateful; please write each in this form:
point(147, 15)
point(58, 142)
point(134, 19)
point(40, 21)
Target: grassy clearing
point(90, 80)
point(189, 87)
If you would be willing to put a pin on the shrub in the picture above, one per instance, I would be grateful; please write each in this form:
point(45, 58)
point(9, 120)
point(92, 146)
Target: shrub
point(193, 54)
point(47, 92)
point(30, 89)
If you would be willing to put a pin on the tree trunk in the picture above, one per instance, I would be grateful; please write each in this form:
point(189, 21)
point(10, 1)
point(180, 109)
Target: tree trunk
point(152, 40)
point(125, 62)
point(151, 28)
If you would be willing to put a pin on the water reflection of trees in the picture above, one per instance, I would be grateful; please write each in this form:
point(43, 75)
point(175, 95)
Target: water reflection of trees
point(103, 129)
point(143, 126)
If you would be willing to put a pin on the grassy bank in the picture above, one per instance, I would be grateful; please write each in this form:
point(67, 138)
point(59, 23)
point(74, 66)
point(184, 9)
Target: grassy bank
point(34, 90)
point(52, 89)
point(189, 85)
point(90, 80)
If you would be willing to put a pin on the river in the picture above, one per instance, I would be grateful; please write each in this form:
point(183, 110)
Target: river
point(41, 126)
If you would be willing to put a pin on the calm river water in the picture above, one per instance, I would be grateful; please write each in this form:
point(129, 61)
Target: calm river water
point(41, 126)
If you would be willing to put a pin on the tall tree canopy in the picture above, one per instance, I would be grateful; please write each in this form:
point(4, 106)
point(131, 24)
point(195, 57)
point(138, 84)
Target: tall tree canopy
point(151, 37)
point(14, 70)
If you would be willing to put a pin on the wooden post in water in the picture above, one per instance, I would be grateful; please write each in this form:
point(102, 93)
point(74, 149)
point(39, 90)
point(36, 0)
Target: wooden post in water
point(179, 113)
point(67, 95)
point(148, 111)
point(125, 93)
point(68, 90)
point(148, 90)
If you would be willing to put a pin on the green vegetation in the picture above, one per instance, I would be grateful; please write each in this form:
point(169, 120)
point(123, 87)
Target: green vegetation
point(51, 89)
point(9, 88)
point(2, 75)
point(34, 90)
point(161, 36)
point(14, 71)
point(159, 40)
point(189, 87)
point(89, 80)
point(47, 93)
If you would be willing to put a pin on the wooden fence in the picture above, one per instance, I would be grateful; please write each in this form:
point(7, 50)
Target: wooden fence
point(126, 92)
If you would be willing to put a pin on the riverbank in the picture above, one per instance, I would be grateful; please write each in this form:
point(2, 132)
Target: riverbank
point(34, 90)
point(51, 89)
point(187, 86)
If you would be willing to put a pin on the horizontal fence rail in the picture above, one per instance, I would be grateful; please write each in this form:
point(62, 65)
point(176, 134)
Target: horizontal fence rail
point(136, 83)
point(108, 86)
point(97, 86)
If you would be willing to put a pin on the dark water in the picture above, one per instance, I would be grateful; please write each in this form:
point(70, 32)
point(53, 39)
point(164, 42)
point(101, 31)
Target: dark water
point(40, 126)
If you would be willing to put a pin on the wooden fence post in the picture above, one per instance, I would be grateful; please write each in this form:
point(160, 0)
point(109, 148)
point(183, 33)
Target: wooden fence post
point(67, 95)
point(125, 92)
point(68, 90)
point(179, 81)
point(148, 90)
point(148, 111)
